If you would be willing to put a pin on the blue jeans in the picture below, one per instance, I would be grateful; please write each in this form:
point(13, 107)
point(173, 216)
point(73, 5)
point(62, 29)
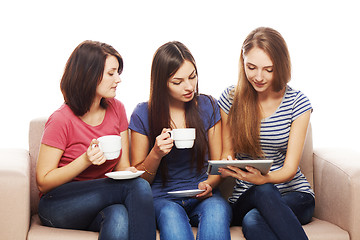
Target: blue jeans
point(266, 214)
point(116, 209)
point(212, 216)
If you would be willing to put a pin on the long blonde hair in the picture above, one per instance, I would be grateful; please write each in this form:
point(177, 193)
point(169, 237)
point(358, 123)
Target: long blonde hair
point(244, 115)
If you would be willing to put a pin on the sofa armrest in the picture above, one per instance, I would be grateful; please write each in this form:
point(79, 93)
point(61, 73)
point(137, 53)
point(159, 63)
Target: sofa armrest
point(337, 188)
point(14, 193)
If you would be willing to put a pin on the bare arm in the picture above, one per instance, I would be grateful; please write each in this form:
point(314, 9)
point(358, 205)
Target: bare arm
point(215, 147)
point(49, 175)
point(227, 145)
point(147, 161)
point(294, 151)
point(124, 162)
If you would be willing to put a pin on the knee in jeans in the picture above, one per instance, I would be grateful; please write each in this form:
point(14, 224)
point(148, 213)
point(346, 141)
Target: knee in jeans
point(255, 226)
point(170, 211)
point(115, 222)
point(141, 184)
point(251, 220)
point(116, 213)
point(141, 187)
point(218, 207)
point(266, 190)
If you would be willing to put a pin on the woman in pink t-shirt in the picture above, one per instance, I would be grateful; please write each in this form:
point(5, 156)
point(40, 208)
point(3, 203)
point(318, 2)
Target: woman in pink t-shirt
point(75, 193)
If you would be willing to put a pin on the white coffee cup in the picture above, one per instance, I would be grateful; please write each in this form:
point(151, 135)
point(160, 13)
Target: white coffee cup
point(110, 145)
point(183, 137)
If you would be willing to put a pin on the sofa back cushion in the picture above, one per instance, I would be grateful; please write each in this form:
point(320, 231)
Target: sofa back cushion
point(307, 158)
point(36, 130)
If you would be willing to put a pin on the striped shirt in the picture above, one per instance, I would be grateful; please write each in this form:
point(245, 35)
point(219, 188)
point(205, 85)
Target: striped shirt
point(274, 137)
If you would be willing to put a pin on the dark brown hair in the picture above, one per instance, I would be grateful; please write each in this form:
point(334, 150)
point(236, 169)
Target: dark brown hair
point(166, 61)
point(83, 73)
point(244, 116)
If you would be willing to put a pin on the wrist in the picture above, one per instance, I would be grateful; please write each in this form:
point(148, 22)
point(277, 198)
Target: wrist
point(206, 182)
point(146, 170)
point(86, 159)
point(156, 154)
point(265, 179)
point(213, 180)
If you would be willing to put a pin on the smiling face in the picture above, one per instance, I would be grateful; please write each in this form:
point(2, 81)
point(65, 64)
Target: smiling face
point(182, 84)
point(110, 79)
point(259, 70)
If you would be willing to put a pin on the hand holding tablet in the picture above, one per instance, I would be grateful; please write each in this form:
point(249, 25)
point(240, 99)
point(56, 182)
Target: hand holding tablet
point(262, 165)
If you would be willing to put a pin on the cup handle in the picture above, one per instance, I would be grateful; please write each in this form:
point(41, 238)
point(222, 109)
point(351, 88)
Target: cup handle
point(171, 134)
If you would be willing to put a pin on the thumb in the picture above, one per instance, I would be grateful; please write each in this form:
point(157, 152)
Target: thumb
point(94, 143)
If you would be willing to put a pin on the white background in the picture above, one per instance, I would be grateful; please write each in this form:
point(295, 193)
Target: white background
point(37, 37)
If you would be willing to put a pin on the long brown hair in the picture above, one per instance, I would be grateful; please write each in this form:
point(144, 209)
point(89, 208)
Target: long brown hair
point(244, 116)
point(83, 73)
point(166, 61)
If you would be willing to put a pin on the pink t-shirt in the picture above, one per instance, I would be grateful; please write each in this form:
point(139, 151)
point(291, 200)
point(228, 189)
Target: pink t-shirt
point(66, 131)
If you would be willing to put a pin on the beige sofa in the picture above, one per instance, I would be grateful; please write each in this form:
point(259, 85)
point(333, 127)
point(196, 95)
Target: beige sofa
point(334, 174)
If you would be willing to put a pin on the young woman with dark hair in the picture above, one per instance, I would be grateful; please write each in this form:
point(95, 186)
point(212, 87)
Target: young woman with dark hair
point(263, 117)
point(175, 103)
point(71, 168)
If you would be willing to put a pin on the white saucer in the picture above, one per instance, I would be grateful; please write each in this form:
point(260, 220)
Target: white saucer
point(118, 175)
point(186, 193)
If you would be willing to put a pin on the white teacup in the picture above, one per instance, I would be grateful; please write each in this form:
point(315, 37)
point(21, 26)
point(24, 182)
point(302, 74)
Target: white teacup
point(110, 145)
point(183, 137)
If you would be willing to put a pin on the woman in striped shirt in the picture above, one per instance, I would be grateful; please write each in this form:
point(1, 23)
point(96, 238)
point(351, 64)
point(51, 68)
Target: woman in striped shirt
point(264, 118)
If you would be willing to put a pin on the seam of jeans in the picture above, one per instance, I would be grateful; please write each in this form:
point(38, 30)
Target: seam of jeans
point(46, 219)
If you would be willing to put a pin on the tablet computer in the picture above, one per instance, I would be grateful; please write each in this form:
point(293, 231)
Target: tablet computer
point(262, 165)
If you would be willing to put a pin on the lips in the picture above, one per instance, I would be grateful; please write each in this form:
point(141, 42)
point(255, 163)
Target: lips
point(259, 84)
point(188, 95)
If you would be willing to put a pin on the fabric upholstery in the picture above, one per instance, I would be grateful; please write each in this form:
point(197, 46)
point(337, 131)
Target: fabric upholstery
point(14, 194)
point(337, 188)
point(333, 173)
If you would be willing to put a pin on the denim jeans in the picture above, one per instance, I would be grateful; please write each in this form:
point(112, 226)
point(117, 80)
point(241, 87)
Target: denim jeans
point(212, 216)
point(117, 209)
point(266, 214)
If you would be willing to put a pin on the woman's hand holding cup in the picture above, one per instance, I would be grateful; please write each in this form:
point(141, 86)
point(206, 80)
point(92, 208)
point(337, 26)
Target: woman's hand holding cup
point(163, 143)
point(95, 154)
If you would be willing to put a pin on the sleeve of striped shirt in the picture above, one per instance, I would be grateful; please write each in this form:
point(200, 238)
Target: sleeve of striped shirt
point(301, 105)
point(226, 100)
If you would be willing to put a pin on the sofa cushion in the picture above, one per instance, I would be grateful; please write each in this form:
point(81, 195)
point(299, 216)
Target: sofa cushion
point(322, 230)
point(316, 230)
point(40, 232)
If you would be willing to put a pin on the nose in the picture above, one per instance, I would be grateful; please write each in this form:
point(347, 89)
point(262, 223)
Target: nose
point(258, 76)
point(189, 86)
point(117, 78)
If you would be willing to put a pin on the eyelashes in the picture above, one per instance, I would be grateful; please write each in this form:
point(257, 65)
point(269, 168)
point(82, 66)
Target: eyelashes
point(179, 81)
point(251, 68)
